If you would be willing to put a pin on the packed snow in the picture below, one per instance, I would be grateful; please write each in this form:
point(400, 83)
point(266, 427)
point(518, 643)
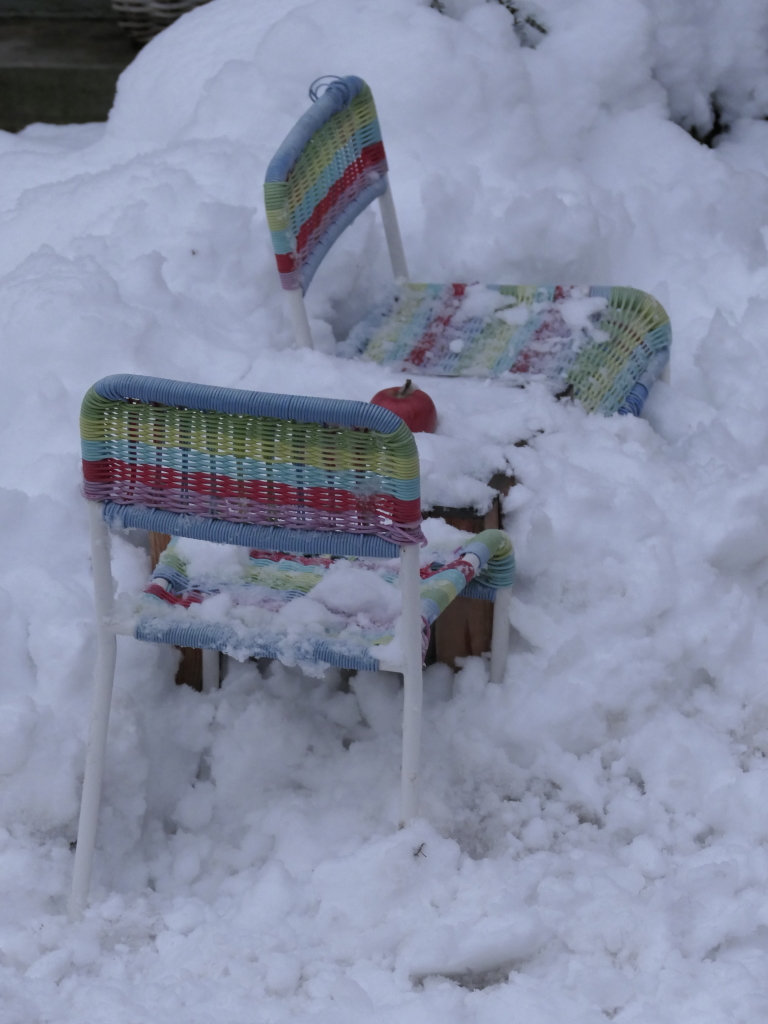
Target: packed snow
point(594, 838)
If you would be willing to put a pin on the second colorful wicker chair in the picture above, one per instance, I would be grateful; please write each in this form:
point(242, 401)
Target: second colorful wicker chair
point(604, 345)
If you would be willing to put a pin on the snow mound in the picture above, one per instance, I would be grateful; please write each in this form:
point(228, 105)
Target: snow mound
point(595, 831)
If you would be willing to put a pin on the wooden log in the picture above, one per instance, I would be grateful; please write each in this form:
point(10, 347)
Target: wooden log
point(158, 542)
point(190, 670)
point(465, 628)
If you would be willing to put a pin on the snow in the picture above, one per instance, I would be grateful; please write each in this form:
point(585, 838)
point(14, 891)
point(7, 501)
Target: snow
point(594, 836)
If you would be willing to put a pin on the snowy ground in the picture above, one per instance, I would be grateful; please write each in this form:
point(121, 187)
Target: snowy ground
point(595, 836)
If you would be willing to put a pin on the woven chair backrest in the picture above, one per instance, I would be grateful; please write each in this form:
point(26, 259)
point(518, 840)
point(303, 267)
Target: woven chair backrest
point(328, 169)
point(299, 466)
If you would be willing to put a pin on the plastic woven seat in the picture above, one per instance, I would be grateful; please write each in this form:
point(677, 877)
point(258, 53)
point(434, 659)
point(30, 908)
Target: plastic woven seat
point(292, 491)
point(259, 587)
point(603, 345)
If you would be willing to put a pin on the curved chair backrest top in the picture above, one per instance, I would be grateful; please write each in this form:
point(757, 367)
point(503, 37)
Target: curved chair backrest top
point(293, 473)
point(329, 168)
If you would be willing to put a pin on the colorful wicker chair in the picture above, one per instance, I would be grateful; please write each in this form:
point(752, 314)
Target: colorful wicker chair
point(304, 487)
point(603, 345)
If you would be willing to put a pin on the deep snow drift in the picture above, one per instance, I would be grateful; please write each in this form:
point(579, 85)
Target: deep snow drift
point(594, 837)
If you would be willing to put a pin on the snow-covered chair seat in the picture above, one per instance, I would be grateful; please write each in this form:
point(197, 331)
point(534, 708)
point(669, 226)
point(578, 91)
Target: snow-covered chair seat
point(310, 610)
point(605, 346)
point(313, 507)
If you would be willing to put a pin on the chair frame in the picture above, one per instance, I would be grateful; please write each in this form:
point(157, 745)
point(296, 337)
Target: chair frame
point(108, 627)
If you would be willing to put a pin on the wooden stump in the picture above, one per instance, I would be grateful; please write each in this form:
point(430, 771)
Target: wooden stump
point(465, 628)
point(190, 670)
point(158, 542)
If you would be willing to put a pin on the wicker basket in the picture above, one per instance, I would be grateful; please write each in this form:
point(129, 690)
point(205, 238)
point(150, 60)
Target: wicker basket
point(143, 19)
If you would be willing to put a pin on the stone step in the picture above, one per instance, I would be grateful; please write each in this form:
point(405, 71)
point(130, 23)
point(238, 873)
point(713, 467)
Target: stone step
point(59, 61)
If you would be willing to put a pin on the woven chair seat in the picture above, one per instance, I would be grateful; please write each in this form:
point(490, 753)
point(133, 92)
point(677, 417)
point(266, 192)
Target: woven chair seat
point(605, 346)
point(252, 603)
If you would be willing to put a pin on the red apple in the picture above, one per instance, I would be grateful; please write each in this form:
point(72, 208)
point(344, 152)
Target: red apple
point(413, 406)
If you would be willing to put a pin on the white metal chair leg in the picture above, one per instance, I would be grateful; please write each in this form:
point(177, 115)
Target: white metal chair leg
point(299, 318)
point(211, 673)
point(500, 638)
point(102, 699)
point(412, 679)
point(392, 232)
